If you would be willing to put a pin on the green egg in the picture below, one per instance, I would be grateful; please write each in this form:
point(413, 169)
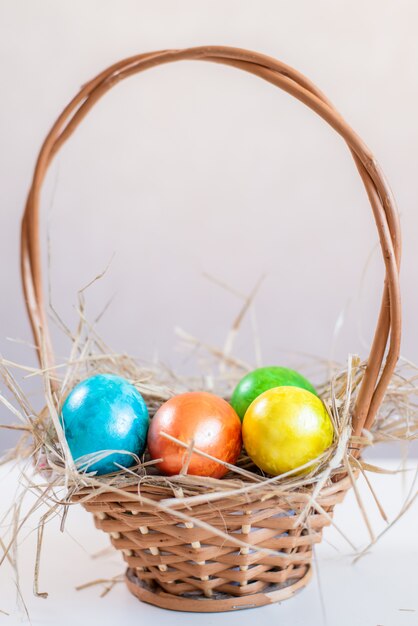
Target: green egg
point(260, 380)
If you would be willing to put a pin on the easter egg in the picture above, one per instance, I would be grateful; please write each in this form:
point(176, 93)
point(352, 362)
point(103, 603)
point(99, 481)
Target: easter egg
point(261, 379)
point(207, 420)
point(105, 412)
point(286, 427)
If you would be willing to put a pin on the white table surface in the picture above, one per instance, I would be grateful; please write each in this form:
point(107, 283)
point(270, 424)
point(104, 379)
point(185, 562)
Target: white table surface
point(381, 589)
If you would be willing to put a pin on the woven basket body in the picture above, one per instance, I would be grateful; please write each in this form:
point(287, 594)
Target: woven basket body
point(184, 565)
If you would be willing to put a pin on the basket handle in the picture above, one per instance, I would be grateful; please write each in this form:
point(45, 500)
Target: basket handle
point(385, 347)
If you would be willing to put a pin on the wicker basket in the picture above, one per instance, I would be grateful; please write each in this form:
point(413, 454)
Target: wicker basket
point(186, 566)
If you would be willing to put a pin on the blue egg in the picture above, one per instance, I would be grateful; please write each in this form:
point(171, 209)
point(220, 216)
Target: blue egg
point(105, 412)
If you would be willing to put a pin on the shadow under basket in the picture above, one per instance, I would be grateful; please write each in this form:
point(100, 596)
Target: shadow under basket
point(174, 562)
point(184, 567)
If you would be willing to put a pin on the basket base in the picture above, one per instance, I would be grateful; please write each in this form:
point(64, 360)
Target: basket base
point(152, 593)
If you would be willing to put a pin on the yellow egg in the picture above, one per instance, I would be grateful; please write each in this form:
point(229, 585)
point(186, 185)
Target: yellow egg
point(284, 428)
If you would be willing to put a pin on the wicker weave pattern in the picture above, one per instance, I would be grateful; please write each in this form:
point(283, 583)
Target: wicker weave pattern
point(190, 561)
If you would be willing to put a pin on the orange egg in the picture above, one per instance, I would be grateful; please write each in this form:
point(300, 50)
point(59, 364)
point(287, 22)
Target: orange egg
point(207, 420)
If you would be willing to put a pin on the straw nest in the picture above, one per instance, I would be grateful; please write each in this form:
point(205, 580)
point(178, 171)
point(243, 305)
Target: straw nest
point(56, 478)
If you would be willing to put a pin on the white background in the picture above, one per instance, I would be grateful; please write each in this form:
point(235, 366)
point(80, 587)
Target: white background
point(194, 168)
